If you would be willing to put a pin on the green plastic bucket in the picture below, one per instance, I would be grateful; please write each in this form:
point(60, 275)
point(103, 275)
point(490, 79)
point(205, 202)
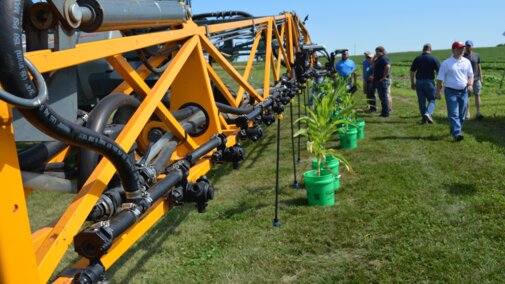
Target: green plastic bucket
point(333, 164)
point(361, 128)
point(320, 189)
point(348, 139)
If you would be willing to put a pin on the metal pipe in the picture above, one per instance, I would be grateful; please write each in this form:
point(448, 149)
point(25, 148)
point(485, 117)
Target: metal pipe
point(108, 15)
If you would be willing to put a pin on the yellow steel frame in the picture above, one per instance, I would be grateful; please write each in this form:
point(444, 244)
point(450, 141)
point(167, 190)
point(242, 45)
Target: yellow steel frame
point(32, 257)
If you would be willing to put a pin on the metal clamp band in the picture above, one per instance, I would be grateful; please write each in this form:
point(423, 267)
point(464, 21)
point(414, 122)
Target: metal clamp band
point(41, 97)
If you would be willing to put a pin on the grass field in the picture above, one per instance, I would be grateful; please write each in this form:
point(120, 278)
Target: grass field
point(492, 62)
point(420, 208)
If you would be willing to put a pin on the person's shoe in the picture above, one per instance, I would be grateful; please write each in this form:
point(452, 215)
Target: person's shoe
point(428, 118)
point(383, 115)
point(467, 115)
point(479, 116)
point(459, 138)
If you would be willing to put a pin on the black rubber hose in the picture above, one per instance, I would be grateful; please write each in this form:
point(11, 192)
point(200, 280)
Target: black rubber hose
point(184, 113)
point(14, 78)
point(36, 156)
point(97, 121)
point(233, 110)
point(222, 14)
point(203, 150)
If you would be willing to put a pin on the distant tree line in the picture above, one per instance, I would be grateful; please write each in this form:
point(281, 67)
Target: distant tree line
point(500, 45)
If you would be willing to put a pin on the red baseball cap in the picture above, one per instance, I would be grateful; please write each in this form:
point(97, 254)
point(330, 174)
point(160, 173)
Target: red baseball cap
point(458, 44)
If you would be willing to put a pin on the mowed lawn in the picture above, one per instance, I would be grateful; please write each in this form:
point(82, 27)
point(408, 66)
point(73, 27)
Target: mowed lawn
point(420, 208)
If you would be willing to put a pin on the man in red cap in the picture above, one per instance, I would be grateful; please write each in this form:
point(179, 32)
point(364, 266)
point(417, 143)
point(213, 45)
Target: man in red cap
point(456, 75)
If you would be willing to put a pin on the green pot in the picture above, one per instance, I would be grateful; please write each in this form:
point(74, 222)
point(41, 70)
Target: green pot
point(331, 163)
point(348, 139)
point(361, 128)
point(320, 189)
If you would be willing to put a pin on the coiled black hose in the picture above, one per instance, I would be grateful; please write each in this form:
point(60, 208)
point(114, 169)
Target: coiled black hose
point(97, 121)
point(14, 78)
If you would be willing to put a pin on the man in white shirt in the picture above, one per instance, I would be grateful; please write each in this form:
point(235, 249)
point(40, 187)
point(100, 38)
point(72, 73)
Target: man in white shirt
point(456, 75)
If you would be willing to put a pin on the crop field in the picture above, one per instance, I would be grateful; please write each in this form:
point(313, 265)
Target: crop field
point(420, 208)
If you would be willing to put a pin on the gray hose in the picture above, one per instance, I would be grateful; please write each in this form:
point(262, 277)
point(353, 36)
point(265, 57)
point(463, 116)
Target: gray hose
point(188, 125)
point(43, 182)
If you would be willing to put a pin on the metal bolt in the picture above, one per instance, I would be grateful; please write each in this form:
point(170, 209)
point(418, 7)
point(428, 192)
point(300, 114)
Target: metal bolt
point(75, 13)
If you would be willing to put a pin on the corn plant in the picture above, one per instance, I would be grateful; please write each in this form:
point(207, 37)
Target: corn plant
point(321, 125)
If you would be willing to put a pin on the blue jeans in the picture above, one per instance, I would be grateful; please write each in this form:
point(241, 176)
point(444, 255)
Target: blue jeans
point(382, 89)
point(456, 109)
point(370, 95)
point(426, 92)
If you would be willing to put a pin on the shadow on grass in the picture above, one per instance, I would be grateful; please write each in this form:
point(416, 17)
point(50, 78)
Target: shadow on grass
point(490, 129)
point(381, 120)
point(242, 208)
point(258, 150)
point(462, 189)
point(427, 138)
point(296, 202)
point(152, 242)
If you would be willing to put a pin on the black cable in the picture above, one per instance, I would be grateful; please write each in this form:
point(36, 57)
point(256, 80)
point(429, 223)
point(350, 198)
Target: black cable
point(305, 96)
point(277, 223)
point(295, 182)
point(299, 127)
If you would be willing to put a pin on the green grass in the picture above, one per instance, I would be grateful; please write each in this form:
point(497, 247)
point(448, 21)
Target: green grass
point(421, 208)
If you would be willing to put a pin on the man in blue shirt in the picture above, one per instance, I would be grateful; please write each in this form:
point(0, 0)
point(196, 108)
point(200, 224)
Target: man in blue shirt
point(424, 68)
point(382, 78)
point(368, 89)
point(345, 67)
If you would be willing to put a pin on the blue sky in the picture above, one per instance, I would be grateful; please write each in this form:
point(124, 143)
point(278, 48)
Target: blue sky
point(397, 25)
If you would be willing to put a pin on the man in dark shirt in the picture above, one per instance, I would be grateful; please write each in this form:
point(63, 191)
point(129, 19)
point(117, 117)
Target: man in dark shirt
point(424, 68)
point(477, 78)
point(382, 78)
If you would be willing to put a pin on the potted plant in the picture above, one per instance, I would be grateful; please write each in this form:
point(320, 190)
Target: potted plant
point(350, 132)
point(320, 127)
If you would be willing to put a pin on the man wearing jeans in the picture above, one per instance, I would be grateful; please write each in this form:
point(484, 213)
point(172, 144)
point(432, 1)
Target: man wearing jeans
point(382, 78)
point(457, 76)
point(477, 78)
point(368, 82)
point(424, 68)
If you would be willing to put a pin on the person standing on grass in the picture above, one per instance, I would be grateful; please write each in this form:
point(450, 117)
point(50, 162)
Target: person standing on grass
point(423, 68)
point(368, 89)
point(382, 79)
point(456, 75)
point(346, 68)
point(477, 78)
